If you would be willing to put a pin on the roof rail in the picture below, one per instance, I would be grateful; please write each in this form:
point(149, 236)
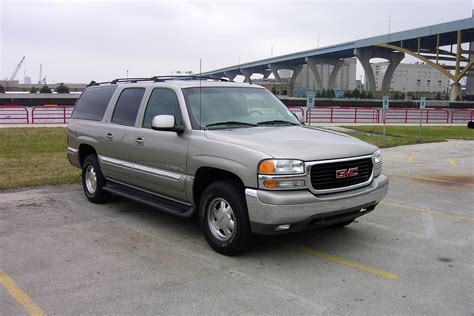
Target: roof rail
point(158, 79)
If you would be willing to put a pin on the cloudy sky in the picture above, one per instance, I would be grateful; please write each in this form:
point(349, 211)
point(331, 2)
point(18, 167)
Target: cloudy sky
point(79, 41)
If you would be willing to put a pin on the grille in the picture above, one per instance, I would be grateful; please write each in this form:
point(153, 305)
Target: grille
point(323, 176)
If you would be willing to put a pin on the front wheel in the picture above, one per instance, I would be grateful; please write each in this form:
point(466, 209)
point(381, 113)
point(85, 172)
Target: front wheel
point(224, 218)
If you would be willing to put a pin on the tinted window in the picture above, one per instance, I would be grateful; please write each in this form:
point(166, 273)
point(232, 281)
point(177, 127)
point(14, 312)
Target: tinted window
point(93, 103)
point(126, 110)
point(162, 102)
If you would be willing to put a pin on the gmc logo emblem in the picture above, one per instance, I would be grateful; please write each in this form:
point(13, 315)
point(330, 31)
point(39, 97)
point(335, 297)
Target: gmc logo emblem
point(347, 173)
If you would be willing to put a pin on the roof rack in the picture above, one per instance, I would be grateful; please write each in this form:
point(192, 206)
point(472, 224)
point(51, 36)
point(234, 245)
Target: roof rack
point(158, 79)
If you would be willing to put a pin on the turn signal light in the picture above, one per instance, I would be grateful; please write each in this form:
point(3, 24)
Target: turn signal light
point(267, 167)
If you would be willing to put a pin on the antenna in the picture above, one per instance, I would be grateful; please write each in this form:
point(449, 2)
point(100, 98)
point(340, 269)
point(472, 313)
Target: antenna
point(200, 91)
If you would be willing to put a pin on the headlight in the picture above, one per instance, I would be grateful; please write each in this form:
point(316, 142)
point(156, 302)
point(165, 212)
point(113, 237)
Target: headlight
point(377, 159)
point(281, 167)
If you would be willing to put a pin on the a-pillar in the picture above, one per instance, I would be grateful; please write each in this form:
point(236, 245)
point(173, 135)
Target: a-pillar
point(312, 62)
point(366, 54)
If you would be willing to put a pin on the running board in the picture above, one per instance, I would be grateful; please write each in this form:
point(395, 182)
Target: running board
point(161, 203)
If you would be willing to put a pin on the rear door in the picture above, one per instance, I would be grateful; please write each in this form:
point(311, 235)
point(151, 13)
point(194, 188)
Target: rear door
point(118, 136)
point(160, 157)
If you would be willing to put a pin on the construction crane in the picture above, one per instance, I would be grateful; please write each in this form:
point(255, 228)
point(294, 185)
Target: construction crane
point(17, 69)
point(40, 73)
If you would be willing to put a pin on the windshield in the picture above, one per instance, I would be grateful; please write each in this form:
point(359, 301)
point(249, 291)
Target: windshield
point(227, 107)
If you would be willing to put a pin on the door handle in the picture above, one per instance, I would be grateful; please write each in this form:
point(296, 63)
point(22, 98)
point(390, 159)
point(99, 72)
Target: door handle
point(109, 136)
point(139, 141)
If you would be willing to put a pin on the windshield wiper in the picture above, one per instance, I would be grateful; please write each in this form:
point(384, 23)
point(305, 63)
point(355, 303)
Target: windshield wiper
point(275, 122)
point(230, 123)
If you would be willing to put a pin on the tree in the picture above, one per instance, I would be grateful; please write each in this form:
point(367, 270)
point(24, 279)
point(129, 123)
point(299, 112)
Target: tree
point(331, 93)
point(362, 94)
point(324, 93)
point(396, 95)
point(369, 95)
point(62, 88)
point(318, 94)
point(45, 89)
point(402, 96)
point(356, 93)
point(438, 96)
point(2, 89)
point(348, 94)
point(33, 90)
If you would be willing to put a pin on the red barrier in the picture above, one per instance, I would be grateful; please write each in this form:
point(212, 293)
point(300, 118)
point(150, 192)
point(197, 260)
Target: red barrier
point(412, 115)
point(13, 114)
point(462, 116)
point(297, 110)
point(327, 114)
point(51, 114)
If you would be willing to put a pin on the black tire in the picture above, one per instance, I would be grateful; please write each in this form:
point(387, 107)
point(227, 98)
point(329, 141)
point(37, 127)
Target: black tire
point(343, 224)
point(98, 195)
point(470, 124)
point(232, 193)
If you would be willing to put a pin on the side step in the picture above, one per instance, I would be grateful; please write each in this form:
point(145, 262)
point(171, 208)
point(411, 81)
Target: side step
point(158, 202)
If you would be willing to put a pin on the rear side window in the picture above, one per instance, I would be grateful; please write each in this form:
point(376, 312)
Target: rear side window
point(126, 110)
point(162, 102)
point(93, 103)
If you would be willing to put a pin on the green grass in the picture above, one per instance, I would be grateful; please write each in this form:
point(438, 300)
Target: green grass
point(34, 156)
point(407, 135)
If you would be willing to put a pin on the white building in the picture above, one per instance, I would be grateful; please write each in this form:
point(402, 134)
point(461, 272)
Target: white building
point(345, 79)
point(417, 77)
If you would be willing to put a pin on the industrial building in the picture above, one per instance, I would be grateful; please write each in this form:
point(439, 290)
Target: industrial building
point(417, 77)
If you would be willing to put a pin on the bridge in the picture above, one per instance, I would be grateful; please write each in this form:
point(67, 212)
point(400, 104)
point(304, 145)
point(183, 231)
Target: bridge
point(440, 46)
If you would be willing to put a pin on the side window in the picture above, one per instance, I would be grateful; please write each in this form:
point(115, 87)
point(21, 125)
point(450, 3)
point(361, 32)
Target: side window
point(126, 109)
point(93, 103)
point(162, 102)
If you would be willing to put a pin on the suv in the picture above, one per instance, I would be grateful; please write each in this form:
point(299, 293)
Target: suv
point(230, 152)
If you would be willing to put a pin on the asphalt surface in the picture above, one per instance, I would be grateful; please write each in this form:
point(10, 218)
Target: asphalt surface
point(60, 254)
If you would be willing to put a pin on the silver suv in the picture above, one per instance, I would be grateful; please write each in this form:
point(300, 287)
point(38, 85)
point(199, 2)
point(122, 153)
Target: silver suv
point(230, 152)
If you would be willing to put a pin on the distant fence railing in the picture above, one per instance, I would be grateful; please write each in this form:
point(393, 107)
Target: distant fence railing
point(325, 114)
point(51, 114)
point(13, 114)
point(462, 116)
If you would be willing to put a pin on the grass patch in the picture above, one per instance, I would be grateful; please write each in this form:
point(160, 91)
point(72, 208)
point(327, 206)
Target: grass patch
point(34, 156)
point(408, 135)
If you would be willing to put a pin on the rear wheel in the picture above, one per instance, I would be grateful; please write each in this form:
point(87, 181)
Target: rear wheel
point(224, 218)
point(93, 181)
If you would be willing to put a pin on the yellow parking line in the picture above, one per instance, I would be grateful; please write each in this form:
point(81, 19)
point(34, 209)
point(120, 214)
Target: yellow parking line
point(418, 209)
point(344, 262)
point(428, 179)
point(410, 157)
point(20, 296)
point(452, 162)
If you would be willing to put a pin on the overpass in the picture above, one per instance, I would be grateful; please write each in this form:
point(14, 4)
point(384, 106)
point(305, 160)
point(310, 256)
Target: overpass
point(440, 46)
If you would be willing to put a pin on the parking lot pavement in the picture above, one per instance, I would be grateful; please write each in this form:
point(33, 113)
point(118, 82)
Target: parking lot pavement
point(60, 254)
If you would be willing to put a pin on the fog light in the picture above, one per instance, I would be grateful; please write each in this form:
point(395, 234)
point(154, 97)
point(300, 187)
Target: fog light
point(283, 227)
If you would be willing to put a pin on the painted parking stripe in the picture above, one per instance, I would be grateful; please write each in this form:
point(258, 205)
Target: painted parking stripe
point(452, 161)
point(21, 297)
point(419, 209)
point(410, 157)
point(341, 261)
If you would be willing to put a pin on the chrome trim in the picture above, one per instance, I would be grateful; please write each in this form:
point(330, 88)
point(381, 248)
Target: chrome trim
point(72, 150)
point(149, 192)
point(115, 162)
point(141, 168)
point(310, 164)
point(157, 172)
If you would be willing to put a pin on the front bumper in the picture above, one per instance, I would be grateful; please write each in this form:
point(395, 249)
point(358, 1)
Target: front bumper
point(304, 210)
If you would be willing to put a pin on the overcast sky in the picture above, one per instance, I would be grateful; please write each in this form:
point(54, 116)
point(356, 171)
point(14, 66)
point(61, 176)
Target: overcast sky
point(80, 41)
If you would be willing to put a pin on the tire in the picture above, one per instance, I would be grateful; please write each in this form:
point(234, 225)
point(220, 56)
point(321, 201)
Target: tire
point(343, 224)
point(224, 218)
point(94, 190)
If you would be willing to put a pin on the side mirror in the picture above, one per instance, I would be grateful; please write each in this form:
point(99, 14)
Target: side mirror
point(166, 123)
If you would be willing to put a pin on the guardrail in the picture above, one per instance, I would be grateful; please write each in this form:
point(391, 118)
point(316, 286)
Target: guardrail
point(413, 115)
point(326, 114)
point(13, 114)
point(462, 116)
point(51, 114)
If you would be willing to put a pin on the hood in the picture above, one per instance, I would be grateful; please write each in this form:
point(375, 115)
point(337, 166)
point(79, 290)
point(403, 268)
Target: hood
point(294, 142)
